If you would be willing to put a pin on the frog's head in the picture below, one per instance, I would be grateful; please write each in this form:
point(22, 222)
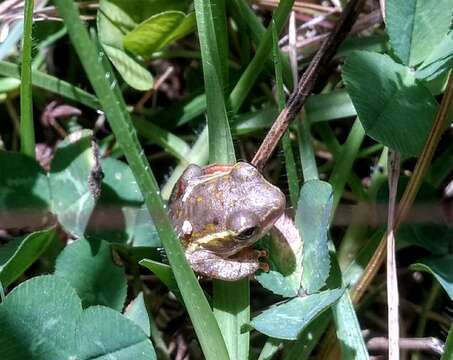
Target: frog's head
point(247, 207)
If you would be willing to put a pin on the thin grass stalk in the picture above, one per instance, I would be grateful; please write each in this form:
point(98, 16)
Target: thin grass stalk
point(27, 129)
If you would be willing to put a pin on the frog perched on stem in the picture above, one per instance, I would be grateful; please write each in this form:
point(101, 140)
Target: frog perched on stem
point(219, 212)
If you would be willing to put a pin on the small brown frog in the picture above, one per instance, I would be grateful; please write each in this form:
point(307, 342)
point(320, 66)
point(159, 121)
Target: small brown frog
point(219, 212)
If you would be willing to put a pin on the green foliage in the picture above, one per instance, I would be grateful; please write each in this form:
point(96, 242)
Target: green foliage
point(448, 350)
point(415, 27)
point(100, 211)
point(164, 273)
point(440, 267)
point(20, 253)
point(114, 106)
point(97, 280)
point(137, 312)
point(43, 319)
point(132, 30)
point(312, 220)
point(24, 188)
point(121, 199)
point(158, 31)
point(438, 61)
point(287, 320)
point(74, 181)
point(395, 92)
point(27, 130)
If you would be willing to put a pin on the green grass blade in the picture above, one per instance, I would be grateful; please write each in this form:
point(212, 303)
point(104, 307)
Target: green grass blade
point(27, 130)
point(231, 301)
point(270, 348)
point(199, 155)
point(113, 104)
point(168, 141)
point(348, 330)
point(51, 83)
point(306, 152)
point(343, 164)
point(220, 143)
point(335, 148)
point(290, 163)
point(253, 70)
point(448, 349)
point(257, 30)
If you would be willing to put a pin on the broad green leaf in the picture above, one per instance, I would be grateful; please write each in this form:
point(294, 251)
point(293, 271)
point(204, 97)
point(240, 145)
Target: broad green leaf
point(312, 220)
point(74, 177)
point(103, 333)
point(287, 320)
point(285, 259)
point(441, 268)
point(415, 27)
point(122, 201)
point(132, 72)
point(24, 191)
point(158, 31)
point(18, 254)
point(436, 238)
point(130, 13)
point(112, 23)
point(308, 339)
point(136, 311)
point(43, 319)
point(438, 61)
point(89, 268)
point(393, 107)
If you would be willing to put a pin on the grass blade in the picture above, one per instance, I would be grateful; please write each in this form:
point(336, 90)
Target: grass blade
point(253, 70)
point(51, 83)
point(290, 163)
point(113, 104)
point(168, 141)
point(27, 130)
point(230, 299)
point(343, 164)
point(448, 350)
point(220, 142)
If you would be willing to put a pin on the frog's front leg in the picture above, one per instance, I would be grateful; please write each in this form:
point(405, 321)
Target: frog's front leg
point(238, 266)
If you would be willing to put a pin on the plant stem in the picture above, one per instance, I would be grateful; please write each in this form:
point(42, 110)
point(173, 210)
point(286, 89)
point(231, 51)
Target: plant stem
point(27, 130)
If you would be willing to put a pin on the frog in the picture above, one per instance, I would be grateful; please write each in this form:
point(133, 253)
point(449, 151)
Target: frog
point(219, 212)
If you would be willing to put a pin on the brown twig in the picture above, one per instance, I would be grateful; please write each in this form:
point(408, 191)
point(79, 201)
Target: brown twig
point(307, 82)
point(429, 344)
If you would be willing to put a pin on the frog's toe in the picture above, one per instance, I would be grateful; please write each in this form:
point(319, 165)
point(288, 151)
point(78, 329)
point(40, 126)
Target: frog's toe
point(264, 266)
point(261, 254)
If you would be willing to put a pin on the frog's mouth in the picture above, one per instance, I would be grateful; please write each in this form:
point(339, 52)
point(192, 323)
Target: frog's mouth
point(222, 243)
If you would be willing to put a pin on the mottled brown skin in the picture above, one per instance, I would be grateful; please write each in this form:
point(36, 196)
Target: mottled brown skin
point(219, 212)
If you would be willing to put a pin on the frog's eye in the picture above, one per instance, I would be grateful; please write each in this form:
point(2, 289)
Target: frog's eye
point(247, 233)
